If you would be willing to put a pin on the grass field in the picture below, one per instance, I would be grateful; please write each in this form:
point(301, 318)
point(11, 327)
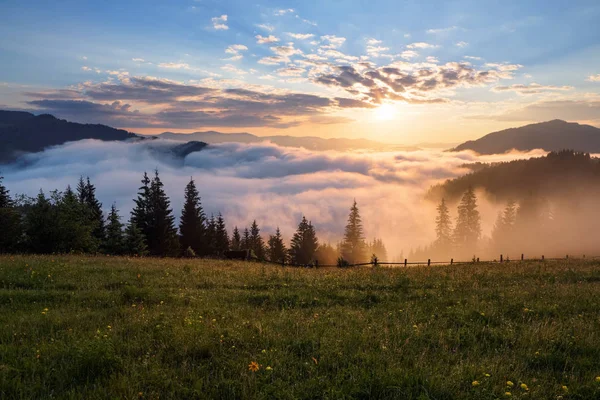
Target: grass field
point(85, 327)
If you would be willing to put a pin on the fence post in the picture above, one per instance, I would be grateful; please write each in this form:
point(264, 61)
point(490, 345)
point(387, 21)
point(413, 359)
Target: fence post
point(405, 262)
point(477, 259)
point(316, 263)
point(500, 257)
point(522, 256)
point(567, 257)
point(429, 262)
point(451, 261)
point(542, 257)
point(584, 256)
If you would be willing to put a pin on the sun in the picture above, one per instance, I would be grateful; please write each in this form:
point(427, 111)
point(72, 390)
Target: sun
point(385, 112)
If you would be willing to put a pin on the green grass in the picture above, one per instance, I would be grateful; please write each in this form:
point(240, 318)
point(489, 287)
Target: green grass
point(184, 329)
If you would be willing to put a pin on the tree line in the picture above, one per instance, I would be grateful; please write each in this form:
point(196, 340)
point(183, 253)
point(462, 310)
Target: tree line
point(73, 221)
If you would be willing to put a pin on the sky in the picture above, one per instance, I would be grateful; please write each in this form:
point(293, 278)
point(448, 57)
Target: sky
point(402, 72)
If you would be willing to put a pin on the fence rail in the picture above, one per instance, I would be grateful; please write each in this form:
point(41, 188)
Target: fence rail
point(406, 263)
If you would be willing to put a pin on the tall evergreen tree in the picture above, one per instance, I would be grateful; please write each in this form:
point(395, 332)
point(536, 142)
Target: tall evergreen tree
point(377, 248)
point(327, 254)
point(256, 241)
point(276, 248)
point(236, 239)
point(304, 243)
point(353, 245)
point(443, 229)
point(468, 223)
point(504, 229)
point(140, 215)
point(245, 243)
point(221, 237)
point(192, 224)
point(86, 193)
point(74, 229)
point(135, 242)
point(10, 222)
point(115, 241)
point(211, 236)
point(40, 223)
point(163, 240)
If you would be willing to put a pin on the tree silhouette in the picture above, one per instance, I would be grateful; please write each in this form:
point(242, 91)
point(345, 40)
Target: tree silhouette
point(236, 240)
point(327, 254)
point(256, 242)
point(115, 241)
point(245, 243)
point(304, 243)
point(10, 222)
point(162, 239)
point(443, 229)
point(140, 215)
point(504, 228)
point(221, 237)
point(192, 223)
point(468, 224)
point(378, 249)
point(86, 193)
point(135, 242)
point(211, 236)
point(276, 248)
point(353, 245)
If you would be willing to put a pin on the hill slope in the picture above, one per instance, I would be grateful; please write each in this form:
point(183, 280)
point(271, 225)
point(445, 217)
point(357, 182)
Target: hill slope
point(22, 132)
point(558, 173)
point(553, 135)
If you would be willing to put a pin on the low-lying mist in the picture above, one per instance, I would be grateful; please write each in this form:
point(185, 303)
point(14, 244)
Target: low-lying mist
point(272, 184)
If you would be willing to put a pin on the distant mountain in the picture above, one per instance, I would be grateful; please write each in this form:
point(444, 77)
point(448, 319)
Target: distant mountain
point(22, 132)
point(307, 142)
point(564, 173)
point(551, 136)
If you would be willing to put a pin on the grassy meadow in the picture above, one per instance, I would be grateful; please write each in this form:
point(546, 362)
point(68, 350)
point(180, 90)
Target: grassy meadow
point(76, 327)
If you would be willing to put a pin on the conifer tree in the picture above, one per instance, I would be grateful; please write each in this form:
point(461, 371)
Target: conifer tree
point(86, 193)
point(327, 254)
point(245, 243)
point(10, 222)
point(40, 222)
point(221, 237)
point(504, 229)
point(468, 224)
point(276, 248)
point(353, 245)
point(140, 215)
point(211, 236)
point(304, 243)
point(256, 241)
point(378, 249)
point(74, 228)
point(443, 229)
point(135, 242)
point(115, 241)
point(163, 240)
point(192, 224)
point(236, 239)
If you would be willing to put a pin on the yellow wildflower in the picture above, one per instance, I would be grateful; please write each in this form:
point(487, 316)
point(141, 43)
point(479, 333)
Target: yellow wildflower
point(509, 384)
point(253, 366)
point(507, 394)
point(565, 388)
point(475, 383)
point(269, 369)
point(524, 386)
point(598, 379)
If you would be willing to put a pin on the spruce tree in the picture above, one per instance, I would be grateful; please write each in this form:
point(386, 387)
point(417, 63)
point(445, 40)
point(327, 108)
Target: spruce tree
point(256, 241)
point(192, 223)
point(504, 229)
point(221, 237)
point(74, 228)
point(304, 243)
point(353, 245)
point(443, 229)
point(135, 242)
point(162, 240)
point(245, 243)
point(327, 254)
point(211, 237)
point(40, 225)
point(86, 193)
point(468, 224)
point(276, 248)
point(236, 239)
point(140, 215)
point(10, 222)
point(378, 249)
point(115, 242)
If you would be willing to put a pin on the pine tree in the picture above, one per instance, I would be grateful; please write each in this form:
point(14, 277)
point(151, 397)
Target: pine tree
point(86, 193)
point(140, 215)
point(221, 237)
point(10, 222)
point(327, 254)
point(257, 244)
point(468, 224)
point(115, 242)
point(135, 242)
point(504, 229)
point(74, 228)
point(40, 225)
point(192, 224)
point(304, 243)
point(236, 240)
point(378, 249)
point(353, 245)
point(245, 243)
point(211, 237)
point(162, 240)
point(276, 248)
point(443, 229)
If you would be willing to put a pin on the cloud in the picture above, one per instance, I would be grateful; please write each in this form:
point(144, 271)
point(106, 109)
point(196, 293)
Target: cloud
point(138, 60)
point(408, 54)
point(373, 42)
point(462, 44)
point(594, 78)
point(233, 69)
point(569, 110)
point(473, 58)
point(300, 36)
point(421, 45)
point(291, 71)
point(171, 65)
point(533, 88)
point(442, 30)
point(266, 39)
point(266, 27)
point(284, 11)
point(333, 41)
point(235, 50)
point(286, 50)
point(219, 23)
point(273, 60)
point(274, 185)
